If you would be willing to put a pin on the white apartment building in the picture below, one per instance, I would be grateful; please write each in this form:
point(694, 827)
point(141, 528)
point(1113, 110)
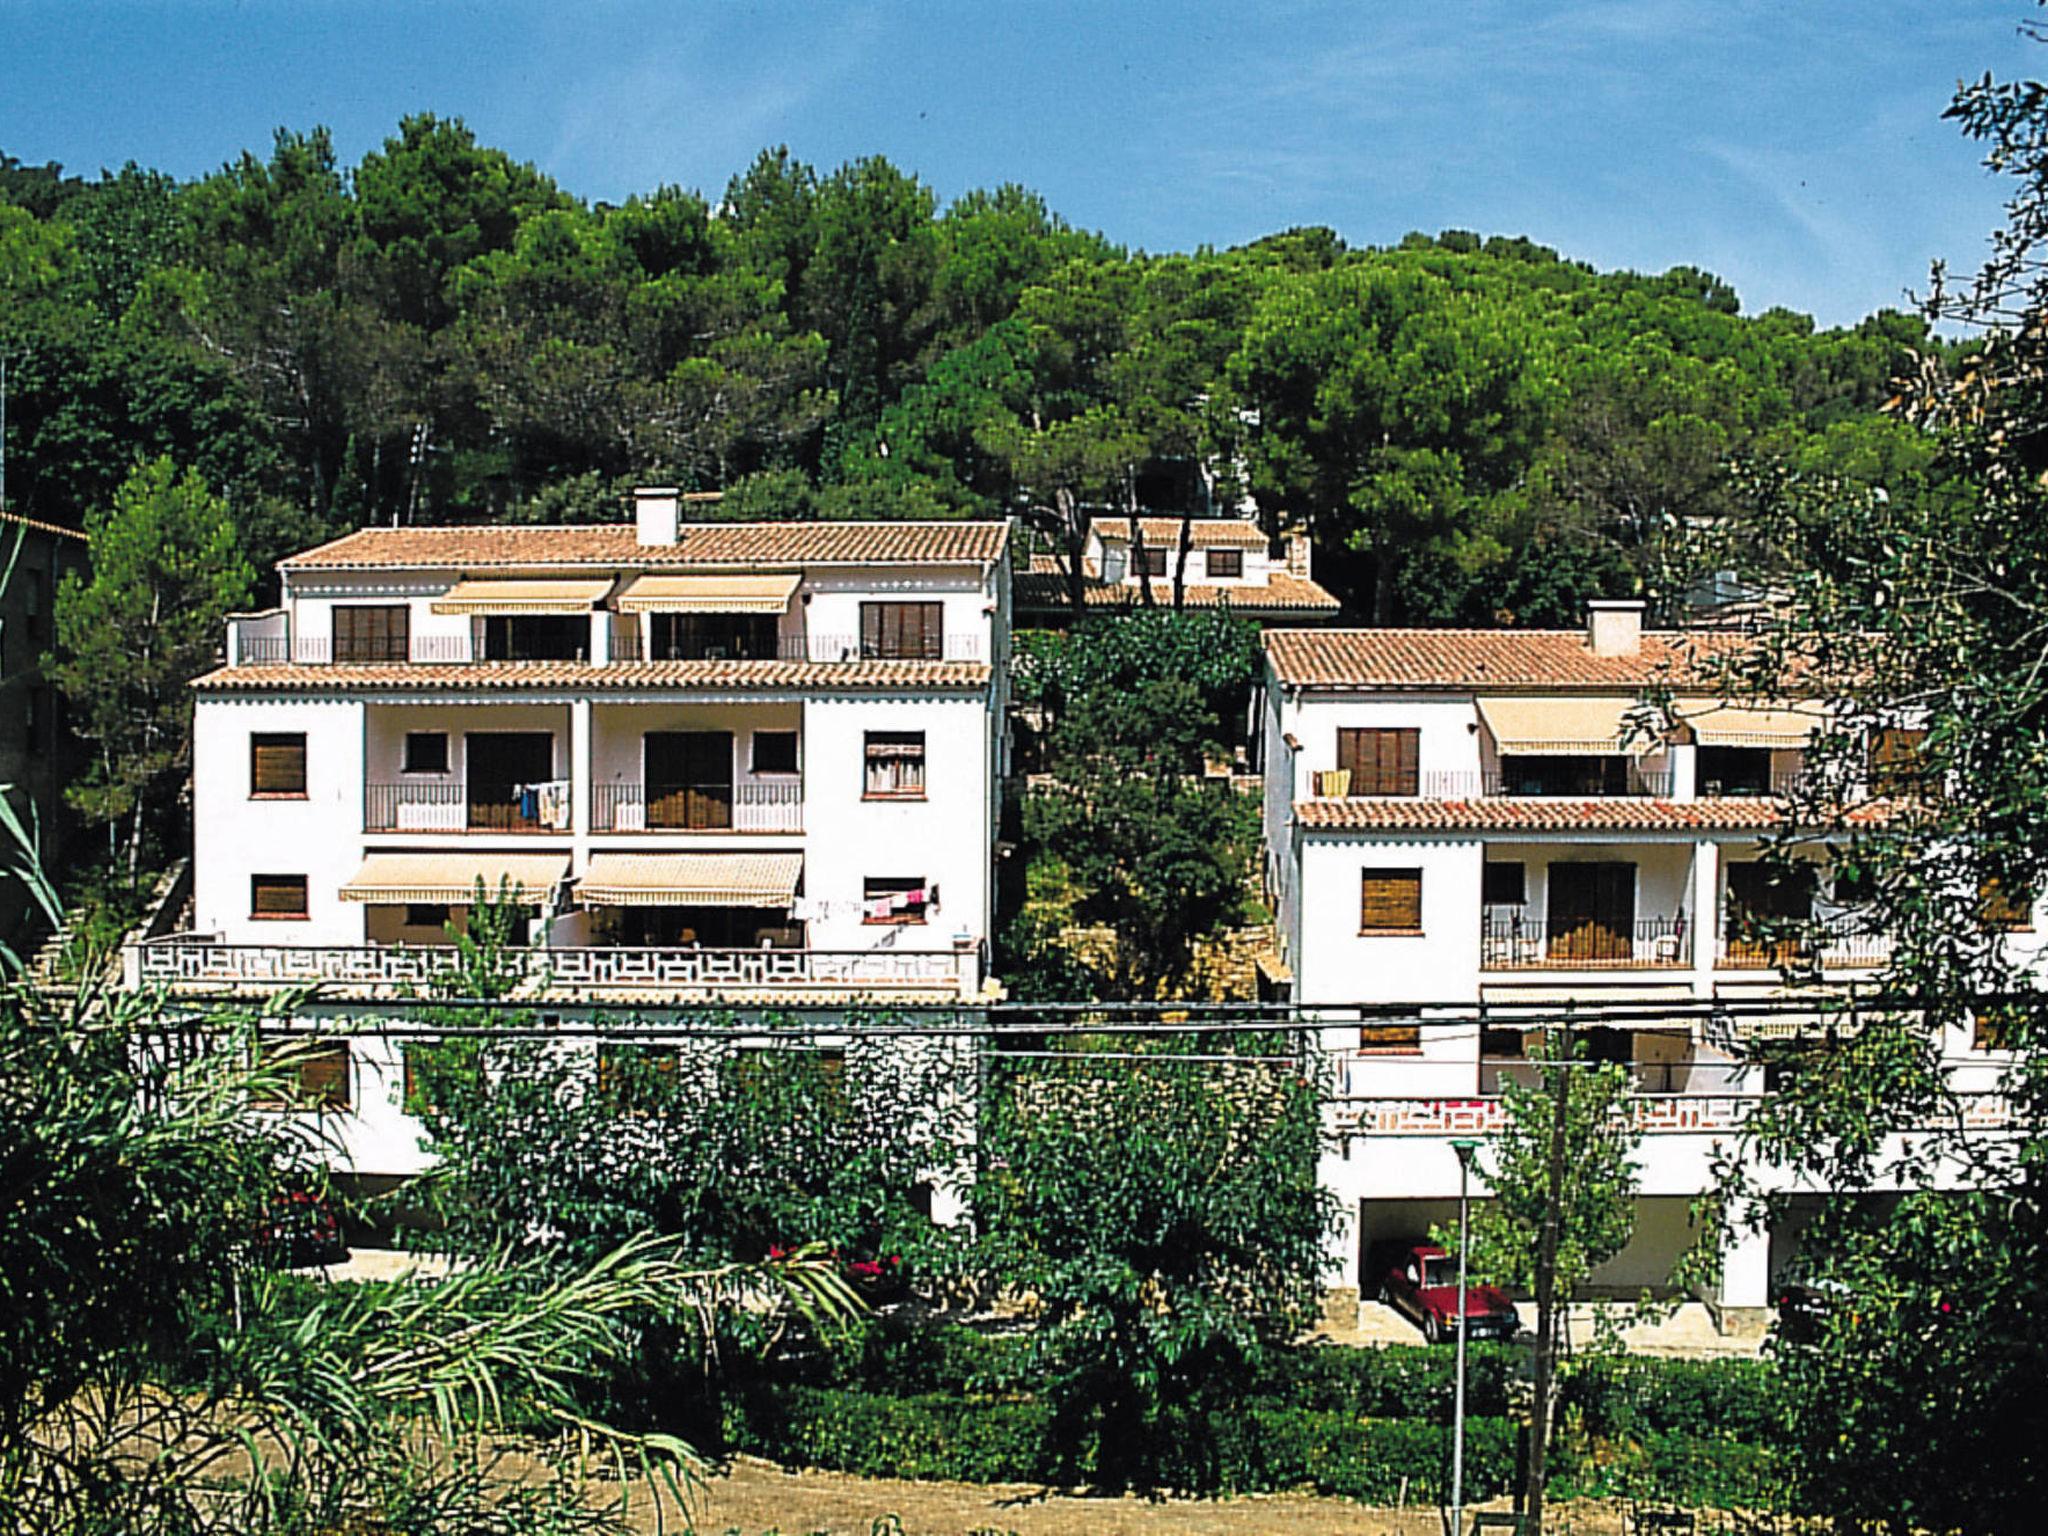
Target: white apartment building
point(1484, 823)
point(739, 765)
point(1228, 563)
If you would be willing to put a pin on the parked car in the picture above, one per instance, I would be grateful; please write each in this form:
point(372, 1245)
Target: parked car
point(301, 1229)
point(1421, 1280)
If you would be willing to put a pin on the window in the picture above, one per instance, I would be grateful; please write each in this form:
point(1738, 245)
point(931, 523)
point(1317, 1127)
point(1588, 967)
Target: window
point(1225, 562)
point(2001, 909)
point(902, 631)
point(896, 899)
point(1898, 762)
point(1389, 1030)
point(277, 766)
point(1390, 901)
point(277, 897)
point(425, 752)
point(315, 1073)
point(364, 633)
point(895, 765)
point(426, 914)
point(1148, 562)
point(1503, 884)
point(775, 751)
point(1381, 762)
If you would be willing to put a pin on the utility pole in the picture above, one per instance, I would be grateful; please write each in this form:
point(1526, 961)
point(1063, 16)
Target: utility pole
point(1464, 1146)
point(1546, 1286)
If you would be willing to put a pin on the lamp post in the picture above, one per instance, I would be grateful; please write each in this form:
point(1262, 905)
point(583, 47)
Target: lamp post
point(1464, 1146)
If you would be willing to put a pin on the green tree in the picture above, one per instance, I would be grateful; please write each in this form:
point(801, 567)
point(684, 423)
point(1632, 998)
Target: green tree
point(1166, 1219)
point(1158, 854)
point(132, 635)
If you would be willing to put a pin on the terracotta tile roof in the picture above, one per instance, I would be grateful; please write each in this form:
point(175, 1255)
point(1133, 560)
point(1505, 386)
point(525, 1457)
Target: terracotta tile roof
point(1040, 590)
point(1203, 532)
point(1615, 814)
point(1482, 659)
point(614, 546)
point(860, 676)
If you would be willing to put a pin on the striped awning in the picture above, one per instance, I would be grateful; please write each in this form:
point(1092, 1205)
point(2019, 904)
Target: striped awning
point(522, 597)
point(452, 877)
point(1562, 725)
point(708, 594)
point(1717, 723)
point(691, 879)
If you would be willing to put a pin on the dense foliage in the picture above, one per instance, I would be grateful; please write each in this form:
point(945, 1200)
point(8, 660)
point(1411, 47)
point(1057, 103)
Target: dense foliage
point(1166, 1218)
point(1469, 429)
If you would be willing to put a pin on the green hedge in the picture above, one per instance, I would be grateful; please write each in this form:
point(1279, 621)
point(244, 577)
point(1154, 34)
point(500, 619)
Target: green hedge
point(934, 1436)
point(1635, 1397)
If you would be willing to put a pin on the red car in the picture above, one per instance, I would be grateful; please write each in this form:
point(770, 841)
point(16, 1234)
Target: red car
point(1421, 1280)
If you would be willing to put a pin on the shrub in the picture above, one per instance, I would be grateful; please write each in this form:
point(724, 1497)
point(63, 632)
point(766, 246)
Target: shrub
point(933, 1436)
point(1632, 1397)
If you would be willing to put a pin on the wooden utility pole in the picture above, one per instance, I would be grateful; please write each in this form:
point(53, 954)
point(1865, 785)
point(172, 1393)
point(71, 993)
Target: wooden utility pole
point(1546, 1289)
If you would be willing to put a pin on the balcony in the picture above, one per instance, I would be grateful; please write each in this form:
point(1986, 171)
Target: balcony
point(744, 807)
point(1843, 941)
point(1633, 782)
point(561, 975)
point(1652, 1114)
point(269, 650)
point(276, 650)
point(1513, 943)
point(444, 807)
point(631, 646)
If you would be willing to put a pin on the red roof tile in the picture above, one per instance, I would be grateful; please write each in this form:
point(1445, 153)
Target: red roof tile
point(617, 547)
point(1042, 591)
point(1483, 659)
point(861, 676)
point(1203, 532)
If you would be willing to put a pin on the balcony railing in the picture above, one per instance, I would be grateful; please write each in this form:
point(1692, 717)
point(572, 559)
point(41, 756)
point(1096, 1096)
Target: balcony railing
point(1509, 943)
point(1470, 785)
point(560, 973)
point(1631, 782)
point(1653, 1114)
point(743, 807)
point(1782, 785)
point(318, 650)
point(1647, 1078)
point(1844, 941)
point(445, 807)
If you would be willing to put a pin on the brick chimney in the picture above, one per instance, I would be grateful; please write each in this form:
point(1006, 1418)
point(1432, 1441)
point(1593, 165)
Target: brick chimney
point(1614, 628)
point(657, 510)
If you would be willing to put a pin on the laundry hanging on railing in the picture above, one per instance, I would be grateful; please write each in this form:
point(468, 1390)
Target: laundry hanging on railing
point(544, 802)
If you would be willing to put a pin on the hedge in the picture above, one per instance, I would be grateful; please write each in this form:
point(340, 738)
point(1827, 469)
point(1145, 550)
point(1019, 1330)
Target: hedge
point(935, 1436)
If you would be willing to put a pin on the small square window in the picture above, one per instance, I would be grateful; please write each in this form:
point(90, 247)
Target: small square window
point(425, 752)
point(1226, 563)
point(1390, 901)
point(895, 765)
point(897, 899)
point(277, 765)
point(315, 1072)
point(277, 897)
point(1148, 562)
point(775, 751)
point(1503, 883)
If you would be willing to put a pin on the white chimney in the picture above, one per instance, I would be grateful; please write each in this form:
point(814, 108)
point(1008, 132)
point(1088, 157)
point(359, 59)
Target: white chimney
point(657, 510)
point(1116, 562)
point(1299, 553)
point(1614, 628)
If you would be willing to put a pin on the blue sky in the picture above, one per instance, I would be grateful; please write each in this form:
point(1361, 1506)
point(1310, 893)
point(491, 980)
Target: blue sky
point(1795, 147)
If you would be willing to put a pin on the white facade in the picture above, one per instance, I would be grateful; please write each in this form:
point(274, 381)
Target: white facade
point(832, 751)
point(1471, 842)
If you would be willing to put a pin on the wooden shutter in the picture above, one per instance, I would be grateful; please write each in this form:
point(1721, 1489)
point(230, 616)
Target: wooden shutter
point(2002, 909)
point(1402, 1036)
point(277, 764)
point(324, 1075)
point(277, 895)
point(1898, 761)
point(372, 633)
point(1390, 900)
point(871, 629)
point(1382, 762)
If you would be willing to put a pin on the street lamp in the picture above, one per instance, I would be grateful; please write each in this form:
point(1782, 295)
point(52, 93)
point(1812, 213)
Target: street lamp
point(1464, 1146)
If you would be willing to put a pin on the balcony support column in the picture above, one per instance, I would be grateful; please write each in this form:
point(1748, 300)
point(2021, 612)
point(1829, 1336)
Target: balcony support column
point(1685, 770)
point(1706, 915)
point(579, 784)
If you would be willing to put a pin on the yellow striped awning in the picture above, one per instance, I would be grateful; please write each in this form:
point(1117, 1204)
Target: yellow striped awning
point(1562, 725)
point(691, 879)
point(522, 597)
point(451, 877)
point(1717, 723)
point(708, 594)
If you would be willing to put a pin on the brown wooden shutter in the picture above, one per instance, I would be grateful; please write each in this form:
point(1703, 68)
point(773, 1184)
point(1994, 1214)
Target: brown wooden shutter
point(871, 629)
point(1390, 900)
point(2002, 909)
point(1382, 762)
point(1898, 761)
point(277, 895)
point(277, 764)
point(324, 1075)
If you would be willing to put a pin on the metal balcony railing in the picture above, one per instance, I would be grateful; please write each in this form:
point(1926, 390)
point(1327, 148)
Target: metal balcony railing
point(633, 647)
point(320, 650)
point(1564, 943)
point(448, 807)
point(1631, 782)
point(743, 807)
point(1782, 785)
point(1842, 941)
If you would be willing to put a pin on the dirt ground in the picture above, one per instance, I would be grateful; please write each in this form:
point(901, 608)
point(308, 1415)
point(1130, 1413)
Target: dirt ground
point(759, 1499)
point(1688, 1333)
